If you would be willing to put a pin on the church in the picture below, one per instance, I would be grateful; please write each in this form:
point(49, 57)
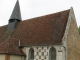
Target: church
point(51, 37)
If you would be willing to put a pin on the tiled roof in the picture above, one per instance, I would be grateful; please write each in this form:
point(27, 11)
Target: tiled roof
point(45, 30)
point(8, 46)
point(2, 30)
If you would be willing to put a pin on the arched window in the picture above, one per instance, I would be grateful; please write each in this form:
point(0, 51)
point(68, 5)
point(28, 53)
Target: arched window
point(31, 54)
point(52, 53)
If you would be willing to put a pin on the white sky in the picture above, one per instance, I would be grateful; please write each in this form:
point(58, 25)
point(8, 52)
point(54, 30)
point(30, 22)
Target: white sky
point(35, 8)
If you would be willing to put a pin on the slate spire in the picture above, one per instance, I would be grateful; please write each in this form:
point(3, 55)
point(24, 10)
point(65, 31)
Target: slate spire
point(16, 14)
point(15, 17)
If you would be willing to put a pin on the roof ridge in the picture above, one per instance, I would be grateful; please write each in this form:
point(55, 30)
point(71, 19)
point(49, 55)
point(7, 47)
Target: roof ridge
point(47, 15)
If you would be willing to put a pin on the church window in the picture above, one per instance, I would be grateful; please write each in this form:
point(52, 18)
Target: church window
point(31, 54)
point(52, 53)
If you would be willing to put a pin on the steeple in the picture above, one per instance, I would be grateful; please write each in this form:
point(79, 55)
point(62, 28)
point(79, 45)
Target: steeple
point(16, 14)
point(15, 17)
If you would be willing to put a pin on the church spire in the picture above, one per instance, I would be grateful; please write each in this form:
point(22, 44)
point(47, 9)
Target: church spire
point(16, 14)
point(15, 17)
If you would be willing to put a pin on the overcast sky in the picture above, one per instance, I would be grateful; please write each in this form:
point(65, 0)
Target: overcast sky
point(35, 8)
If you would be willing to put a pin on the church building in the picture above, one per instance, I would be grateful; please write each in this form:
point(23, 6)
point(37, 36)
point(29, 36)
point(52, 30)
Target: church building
point(51, 37)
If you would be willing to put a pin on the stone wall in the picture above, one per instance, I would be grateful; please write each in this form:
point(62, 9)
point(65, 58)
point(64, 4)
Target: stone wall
point(73, 40)
point(42, 52)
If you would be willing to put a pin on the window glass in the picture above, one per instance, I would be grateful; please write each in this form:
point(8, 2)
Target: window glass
point(31, 53)
point(52, 53)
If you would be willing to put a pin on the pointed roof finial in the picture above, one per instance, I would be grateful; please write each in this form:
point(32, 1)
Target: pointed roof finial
point(16, 14)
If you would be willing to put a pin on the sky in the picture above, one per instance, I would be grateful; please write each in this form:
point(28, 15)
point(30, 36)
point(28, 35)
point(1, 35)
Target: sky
point(35, 8)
